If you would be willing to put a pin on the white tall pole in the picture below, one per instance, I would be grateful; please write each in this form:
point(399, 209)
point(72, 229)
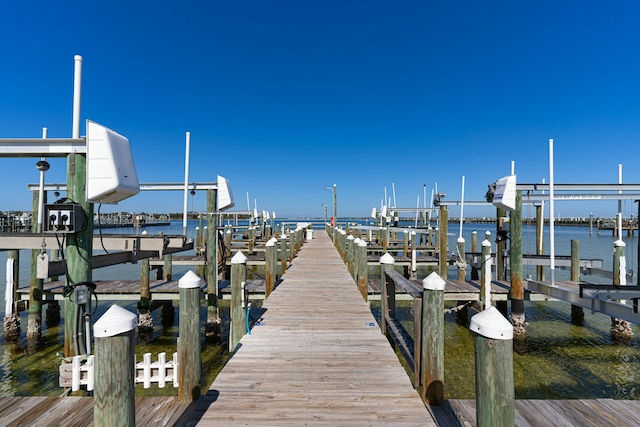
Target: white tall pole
point(619, 203)
point(77, 89)
point(186, 183)
point(551, 215)
point(462, 207)
point(41, 195)
point(393, 190)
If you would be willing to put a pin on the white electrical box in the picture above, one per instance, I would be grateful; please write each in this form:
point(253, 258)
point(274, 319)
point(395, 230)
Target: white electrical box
point(111, 173)
point(505, 195)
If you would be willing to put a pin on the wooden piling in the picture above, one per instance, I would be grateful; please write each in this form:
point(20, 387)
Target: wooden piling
point(577, 312)
point(516, 292)
point(363, 274)
point(485, 273)
point(12, 319)
point(351, 247)
point(270, 266)
point(238, 279)
point(114, 389)
point(283, 253)
point(432, 341)
point(443, 240)
point(79, 248)
point(145, 321)
point(495, 393)
point(189, 359)
point(539, 241)
point(387, 292)
point(501, 244)
point(36, 285)
point(461, 261)
point(212, 325)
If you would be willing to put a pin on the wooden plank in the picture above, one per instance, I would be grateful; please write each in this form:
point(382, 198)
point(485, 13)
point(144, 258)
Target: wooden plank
point(317, 359)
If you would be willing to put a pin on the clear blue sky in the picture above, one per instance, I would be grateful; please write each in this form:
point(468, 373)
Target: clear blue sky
point(284, 98)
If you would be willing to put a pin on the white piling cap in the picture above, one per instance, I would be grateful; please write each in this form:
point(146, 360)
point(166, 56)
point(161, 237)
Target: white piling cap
point(362, 243)
point(491, 323)
point(350, 237)
point(271, 242)
point(486, 243)
point(387, 259)
point(357, 240)
point(460, 239)
point(114, 321)
point(189, 280)
point(619, 243)
point(434, 282)
point(239, 258)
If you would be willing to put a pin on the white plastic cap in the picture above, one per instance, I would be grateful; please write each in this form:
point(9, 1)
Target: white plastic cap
point(239, 258)
point(460, 239)
point(189, 280)
point(387, 259)
point(434, 282)
point(491, 324)
point(114, 321)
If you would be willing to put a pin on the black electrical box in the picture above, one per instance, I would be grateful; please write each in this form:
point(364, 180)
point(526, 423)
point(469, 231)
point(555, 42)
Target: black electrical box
point(63, 218)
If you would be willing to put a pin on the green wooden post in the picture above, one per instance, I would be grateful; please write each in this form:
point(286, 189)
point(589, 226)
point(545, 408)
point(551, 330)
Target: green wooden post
point(212, 325)
point(114, 370)
point(443, 240)
point(462, 263)
point(387, 288)
point(577, 313)
point(189, 359)
point(79, 249)
point(432, 341)
point(270, 266)
point(495, 393)
point(363, 276)
point(36, 286)
point(516, 292)
point(238, 320)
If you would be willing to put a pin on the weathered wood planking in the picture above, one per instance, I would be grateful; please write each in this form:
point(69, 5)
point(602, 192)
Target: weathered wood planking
point(78, 411)
point(560, 413)
point(318, 358)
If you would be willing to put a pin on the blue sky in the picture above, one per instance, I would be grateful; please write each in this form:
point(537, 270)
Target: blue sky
point(284, 98)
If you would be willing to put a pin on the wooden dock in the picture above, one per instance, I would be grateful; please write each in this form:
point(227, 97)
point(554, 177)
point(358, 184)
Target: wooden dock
point(318, 358)
point(78, 411)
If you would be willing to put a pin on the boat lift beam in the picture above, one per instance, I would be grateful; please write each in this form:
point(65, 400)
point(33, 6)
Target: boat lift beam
point(41, 147)
point(591, 301)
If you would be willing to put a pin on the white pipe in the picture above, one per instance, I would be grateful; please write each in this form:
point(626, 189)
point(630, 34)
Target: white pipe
point(551, 215)
point(619, 203)
point(424, 195)
point(186, 183)
point(393, 190)
point(513, 167)
point(542, 227)
point(462, 207)
point(417, 211)
point(41, 195)
point(77, 89)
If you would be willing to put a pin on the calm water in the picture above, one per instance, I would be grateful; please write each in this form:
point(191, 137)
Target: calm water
point(557, 359)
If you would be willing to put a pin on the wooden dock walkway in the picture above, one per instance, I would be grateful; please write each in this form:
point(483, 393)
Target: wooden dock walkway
point(318, 358)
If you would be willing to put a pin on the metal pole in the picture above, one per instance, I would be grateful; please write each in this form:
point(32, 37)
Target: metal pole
point(186, 183)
